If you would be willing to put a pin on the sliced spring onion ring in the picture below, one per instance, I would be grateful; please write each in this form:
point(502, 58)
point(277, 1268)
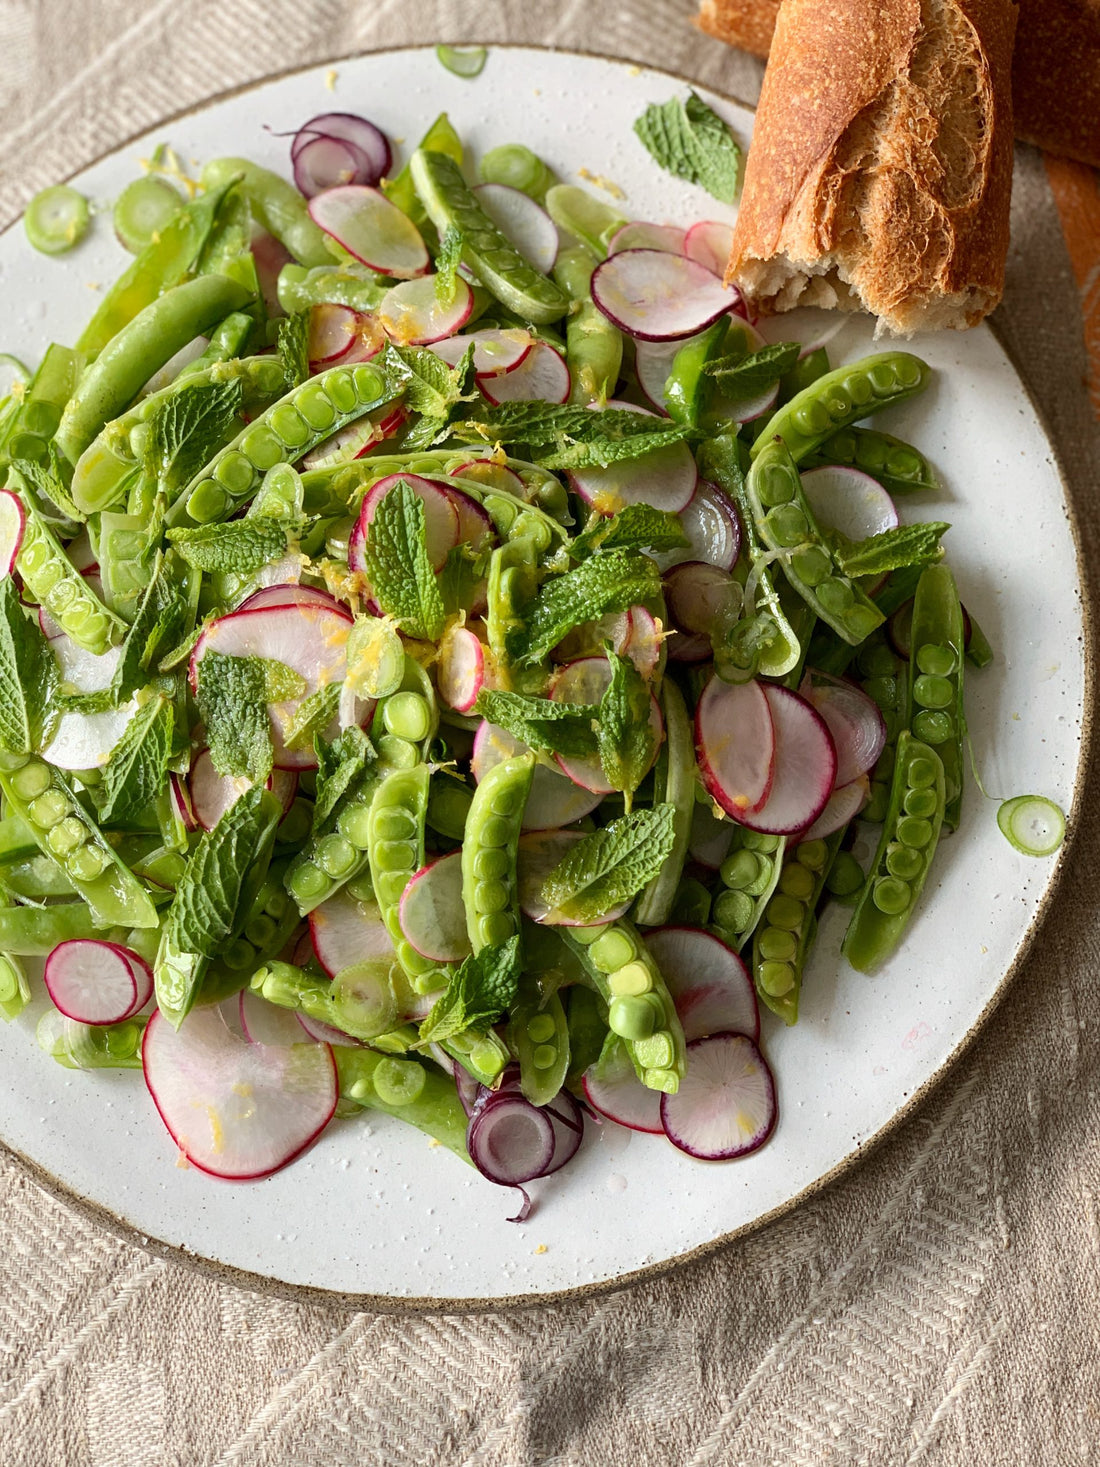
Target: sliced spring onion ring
point(142, 210)
point(465, 61)
point(56, 219)
point(1032, 824)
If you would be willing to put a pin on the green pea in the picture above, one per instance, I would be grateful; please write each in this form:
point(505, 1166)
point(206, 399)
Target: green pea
point(733, 911)
point(307, 883)
point(933, 727)
point(543, 1056)
point(776, 486)
point(862, 620)
point(877, 660)
point(49, 808)
point(933, 692)
point(369, 383)
point(812, 418)
point(836, 596)
point(631, 980)
point(921, 803)
point(902, 862)
point(393, 855)
point(397, 752)
point(882, 379)
point(757, 840)
point(788, 525)
point(87, 862)
point(341, 389)
point(936, 660)
point(540, 1028)
point(490, 897)
point(287, 423)
point(812, 854)
point(777, 945)
point(336, 856)
point(260, 931)
point(858, 390)
point(398, 1082)
point(612, 950)
point(315, 407)
point(207, 502)
point(796, 881)
point(496, 928)
point(922, 774)
point(394, 824)
point(740, 870)
point(776, 979)
point(845, 876)
point(913, 832)
point(354, 825)
point(361, 887)
point(235, 474)
point(883, 691)
point(491, 864)
point(785, 911)
point(811, 565)
point(261, 446)
point(66, 837)
point(32, 780)
point(496, 831)
point(891, 896)
point(407, 716)
point(656, 1052)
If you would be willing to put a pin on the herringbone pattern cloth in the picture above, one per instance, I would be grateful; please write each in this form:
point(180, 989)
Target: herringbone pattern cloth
point(939, 1305)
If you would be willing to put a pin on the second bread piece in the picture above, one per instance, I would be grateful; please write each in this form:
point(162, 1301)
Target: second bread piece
point(881, 166)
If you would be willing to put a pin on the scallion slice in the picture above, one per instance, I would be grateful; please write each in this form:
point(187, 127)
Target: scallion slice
point(56, 219)
point(1033, 825)
point(465, 61)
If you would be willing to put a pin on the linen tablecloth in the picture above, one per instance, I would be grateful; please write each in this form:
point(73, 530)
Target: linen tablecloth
point(937, 1305)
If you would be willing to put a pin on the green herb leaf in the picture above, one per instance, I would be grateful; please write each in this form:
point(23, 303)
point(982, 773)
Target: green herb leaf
point(28, 675)
point(138, 767)
point(313, 716)
point(610, 581)
point(551, 728)
point(233, 694)
point(570, 437)
point(52, 499)
point(627, 741)
point(896, 549)
point(339, 766)
point(446, 264)
point(239, 546)
point(690, 140)
point(396, 558)
point(161, 618)
point(482, 989)
point(755, 372)
point(462, 573)
point(429, 385)
point(637, 527)
point(611, 865)
point(293, 348)
point(188, 427)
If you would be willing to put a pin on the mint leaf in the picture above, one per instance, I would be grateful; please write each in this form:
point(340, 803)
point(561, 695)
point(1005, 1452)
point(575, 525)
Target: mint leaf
point(28, 675)
point(293, 348)
point(429, 385)
point(339, 766)
point(447, 261)
point(137, 770)
point(478, 993)
point(551, 728)
point(313, 716)
point(570, 437)
point(239, 546)
point(188, 427)
point(611, 581)
point(627, 741)
point(51, 496)
point(396, 558)
point(637, 527)
point(462, 573)
point(233, 694)
point(690, 140)
point(162, 618)
point(755, 372)
point(896, 549)
point(611, 865)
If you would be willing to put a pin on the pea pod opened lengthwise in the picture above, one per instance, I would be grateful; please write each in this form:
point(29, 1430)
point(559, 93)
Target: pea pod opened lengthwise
point(881, 165)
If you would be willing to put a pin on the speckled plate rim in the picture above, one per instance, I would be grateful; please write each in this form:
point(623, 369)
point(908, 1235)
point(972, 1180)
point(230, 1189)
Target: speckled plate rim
point(387, 1304)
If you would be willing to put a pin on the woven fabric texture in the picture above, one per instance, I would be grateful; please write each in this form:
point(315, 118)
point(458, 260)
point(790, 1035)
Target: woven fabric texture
point(937, 1305)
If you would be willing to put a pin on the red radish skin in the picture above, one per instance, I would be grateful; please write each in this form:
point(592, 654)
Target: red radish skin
point(95, 982)
point(657, 296)
point(474, 525)
point(494, 350)
point(510, 1140)
point(326, 1034)
point(491, 475)
point(725, 1106)
point(850, 501)
point(347, 127)
point(554, 800)
point(334, 330)
point(212, 794)
point(567, 1119)
point(364, 222)
point(431, 912)
point(619, 1095)
point(460, 671)
point(842, 807)
point(440, 518)
point(585, 681)
point(542, 376)
point(290, 595)
point(326, 162)
point(712, 529)
point(13, 523)
point(356, 440)
point(736, 745)
point(854, 720)
point(236, 1110)
point(709, 243)
point(805, 767)
point(696, 595)
point(180, 798)
point(412, 313)
point(638, 235)
point(709, 983)
point(344, 931)
point(523, 223)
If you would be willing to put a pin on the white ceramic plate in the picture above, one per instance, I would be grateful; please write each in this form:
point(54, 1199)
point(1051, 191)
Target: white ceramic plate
point(375, 1210)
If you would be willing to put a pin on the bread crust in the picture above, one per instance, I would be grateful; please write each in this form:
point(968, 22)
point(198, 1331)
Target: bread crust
point(881, 166)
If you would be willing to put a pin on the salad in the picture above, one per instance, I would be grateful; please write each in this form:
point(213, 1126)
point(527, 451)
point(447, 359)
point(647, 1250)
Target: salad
point(446, 648)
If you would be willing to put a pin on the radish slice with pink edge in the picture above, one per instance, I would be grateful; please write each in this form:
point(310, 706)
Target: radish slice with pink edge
point(643, 641)
point(525, 224)
point(539, 853)
point(639, 235)
point(290, 594)
point(412, 313)
point(85, 740)
point(13, 523)
point(324, 162)
point(234, 1109)
point(653, 361)
point(356, 439)
point(842, 807)
point(664, 478)
point(460, 670)
point(697, 594)
point(657, 296)
point(345, 932)
point(440, 518)
point(805, 766)
point(712, 528)
point(709, 983)
point(326, 1034)
point(180, 799)
point(612, 1087)
point(567, 1119)
point(348, 127)
point(542, 376)
point(808, 325)
point(266, 1023)
point(431, 911)
point(849, 501)
point(212, 794)
point(854, 720)
point(494, 350)
point(554, 799)
point(333, 331)
point(364, 222)
point(709, 243)
point(736, 745)
point(709, 839)
point(587, 640)
point(725, 1106)
point(474, 524)
point(96, 982)
point(585, 682)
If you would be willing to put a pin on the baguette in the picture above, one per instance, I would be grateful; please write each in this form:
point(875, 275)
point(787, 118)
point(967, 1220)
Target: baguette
point(881, 166)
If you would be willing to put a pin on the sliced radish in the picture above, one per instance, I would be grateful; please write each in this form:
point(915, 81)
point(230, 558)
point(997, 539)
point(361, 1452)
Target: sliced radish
point(522, 222)
point(498, 477)
point(542, 376)
point(356, 439)
point(713, 530)
point(440, 518)
point(710, 838)
point(587, 640)
point(333, 331)
point(326, 1034)
point(854, 720)
point(85, 740)
point(412, 313)
point(265, 1023)
point(585, 681)
point(180, 799)
point(843, 805)
point(474, 524)
point(324, 162)
point(510, 1140)
point(725, 1106)
point(97, 982)
point(539, 853)
point(234, 1109)
point(212, 794)
point(494, 350)
point(697, 594)
point(805, 766)
point(709, 983)
point(554, 800)
point(849, 501)
point(460, 670)
point(567, 1119)
point(369, 141)
point(808, 325)
point(290, 594)
point(748, 407)
point(638, 235)
point(345, 932)
point(736, 745)
point(709, 243)
point(364, 222)
point(13, 522)
point(657, 296)
point(431, 911)
point(664, 477)
point(613, 1088)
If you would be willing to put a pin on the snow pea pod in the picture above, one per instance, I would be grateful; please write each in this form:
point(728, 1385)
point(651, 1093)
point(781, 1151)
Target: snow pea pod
point(936, 666)
point(586, 1014)
point(489, 852)
point(516, 166)
point(276, 205)
point(91, 1046)
point(750, 874)
point(226, 343)
point(35, 420)
point(512, 583)
point(395, 829)
point(429, 1101)
point(784, 937)
point(355, 286)
point(905, 850)
point(143, 346)
point(328, 1000)
point(786, 524)
point(593, 346)
point(674, 781)
point(895, 464)
point(687, 383)
point(841, 398)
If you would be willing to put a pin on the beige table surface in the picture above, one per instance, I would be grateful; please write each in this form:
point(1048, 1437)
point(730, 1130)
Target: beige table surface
point(938, 1305)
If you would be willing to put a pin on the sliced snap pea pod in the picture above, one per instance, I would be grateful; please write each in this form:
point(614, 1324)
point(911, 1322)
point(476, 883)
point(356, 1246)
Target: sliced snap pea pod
point(15, 990)
point(328, 1000)
point(226, 343)
point(786, 524)
point(687, 383)
point(517, 167)
point(483, 1055)
point(405, 1088)
point(539, 1036)
point(354, 286)
point(34, 422)
point(512, 582)
point(884, 678)
point(979, 650)
point(17, 842)
point(91, 1046)
point(910, 833)
point(395, 830)
point(806, 370)
point(276, 205)
point(34, 932)
point(587, 218)
point(750, 874)
point(639, 1006)
point(936, 668)
point(141, 348)
point(841, 398)
point(269, 925)
point(784, 937)
point(894, 463)
point(490, 850)
point(36, 879)
point(674, 782)
point(66, 832)
point(593, 345)
point(496, 262)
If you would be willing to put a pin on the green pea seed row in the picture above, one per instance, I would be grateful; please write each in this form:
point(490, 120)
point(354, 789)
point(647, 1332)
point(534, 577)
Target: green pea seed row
point(406, 1088)
point(783, 939)
point(674, 783)
point(936, 668)
point(594, 347)
point(539, 1036)
point(883, 677)
point(895, 464)
point(490, 849)
point(749, 875)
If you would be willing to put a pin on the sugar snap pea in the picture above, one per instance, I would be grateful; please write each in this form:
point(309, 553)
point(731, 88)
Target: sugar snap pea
point(489, 852)
point(34, 932)
point(593, 345)
point(539, 1036)
point(788, 927)
point(26, 434)
point(426, 1099)
point(884, 678)
point(396, 822)
point(354, 286)
point(91, 1046)
point(516, 166)
point(936, 668)
point(674, 782)
point(897, 465)
point(588, 219)
point(440, 138)
point(749, 874)
point(276, 204)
